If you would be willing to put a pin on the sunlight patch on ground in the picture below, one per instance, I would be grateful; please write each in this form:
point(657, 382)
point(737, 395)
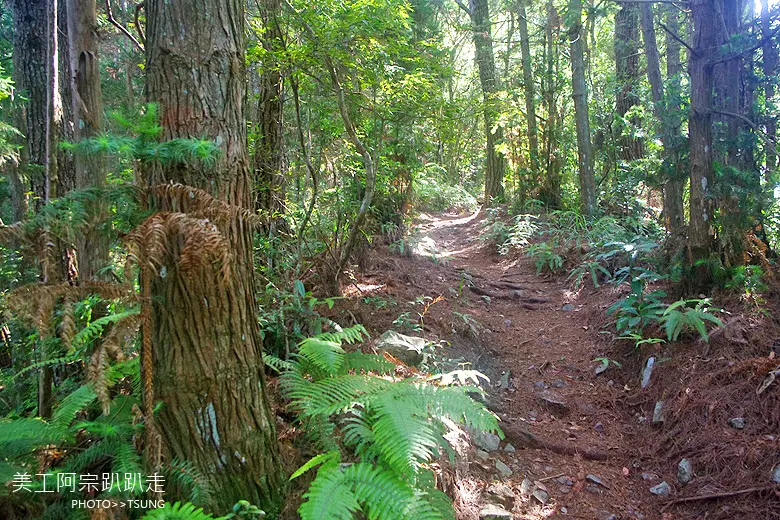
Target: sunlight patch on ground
point(362, 289)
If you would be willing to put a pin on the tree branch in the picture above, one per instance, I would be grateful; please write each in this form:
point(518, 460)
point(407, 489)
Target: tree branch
point(463, 6)
point(736, 55)
point(138, 7)
point(121, 27)
point(771, 145)
point(676, 37)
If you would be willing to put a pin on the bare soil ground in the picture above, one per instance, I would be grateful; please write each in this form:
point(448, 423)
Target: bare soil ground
point(586, 438)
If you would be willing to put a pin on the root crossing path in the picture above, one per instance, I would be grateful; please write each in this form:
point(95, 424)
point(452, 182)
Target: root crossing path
point(574, 448)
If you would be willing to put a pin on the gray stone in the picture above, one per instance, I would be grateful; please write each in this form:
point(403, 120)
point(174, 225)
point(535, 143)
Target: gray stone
point(601, 368)
point(541, 495)
point(566, 481)
point(658, 413)
point(737, 423)
point(509, 448)
point(558, 383)
point(553, 400)
point(482, 454)
point(502, 468)
point(606, 515)
point(647, 372)
point(567, 308)
point(775, 474)
point(593, 489)
point(684, 471)
point(486, 440)
point(406, 348)
point(663, 489)
point(526, 487)
point(540, 385)
point(564, 510)
point(596, 480)
point(649, 476)
point(494, 512)
point(502, 494)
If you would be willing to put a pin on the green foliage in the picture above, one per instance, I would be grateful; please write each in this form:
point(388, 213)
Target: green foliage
point(689, 316)
point(178, 511)
point(394, 428)
point(592, 267)
point(638, 310)
point(545, 257)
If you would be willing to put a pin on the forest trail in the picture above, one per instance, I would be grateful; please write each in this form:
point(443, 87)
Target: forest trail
point(537, 341)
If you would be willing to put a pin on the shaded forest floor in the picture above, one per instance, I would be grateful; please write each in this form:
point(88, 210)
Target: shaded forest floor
point(584, 441)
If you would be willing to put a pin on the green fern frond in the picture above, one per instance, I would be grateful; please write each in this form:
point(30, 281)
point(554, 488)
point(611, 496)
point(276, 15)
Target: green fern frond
point(349, 335)
point(279, 365)
point(21, 436)
point(178, 511)
point(324, 355)
point(94, 329)
point(189, 480)
point(73, 403)
point(359, 361)
point(332, 395)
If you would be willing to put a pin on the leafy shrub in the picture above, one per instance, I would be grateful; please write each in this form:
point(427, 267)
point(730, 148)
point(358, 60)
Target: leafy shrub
point(689, 315)
point(431, 194)
point(637, 311)
point(379, 434)
point(544, 257)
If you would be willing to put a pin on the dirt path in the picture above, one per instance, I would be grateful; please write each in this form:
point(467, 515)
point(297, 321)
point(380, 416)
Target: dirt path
point(584, 452)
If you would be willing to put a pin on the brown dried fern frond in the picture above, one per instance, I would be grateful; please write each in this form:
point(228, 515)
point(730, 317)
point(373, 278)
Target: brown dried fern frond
point(67, 324)
point(196, 202)
point(198, 243)
point(35, 303)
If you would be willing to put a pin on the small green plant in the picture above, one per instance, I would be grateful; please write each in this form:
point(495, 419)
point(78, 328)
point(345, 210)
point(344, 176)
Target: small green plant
point(639, 340)
point(749, 279)
point(689, 315)
point(605, 362)
point(378, 302)
point(378, 434)
point(592, 267)
point(544, 257)
point(637, 310)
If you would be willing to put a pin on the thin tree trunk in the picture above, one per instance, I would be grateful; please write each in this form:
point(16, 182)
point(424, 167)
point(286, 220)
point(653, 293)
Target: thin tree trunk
point(208, 367)
point(627, 74)
point(769, 66)
point(529, 89)
point(666, 113)
point(550, 193)
point(66, 169)
point(705, 41)
point(483, 44)
point(580, 95)
point(87, 112)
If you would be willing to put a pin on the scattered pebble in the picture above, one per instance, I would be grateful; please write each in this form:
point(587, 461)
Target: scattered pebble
point(737, 423)
point(503, 469)
point(647, 372)
point(540, 385)
point(494, 512)
point(684, 471)
point(567, 308)
point(566, 481)
point(541, 495)
point(600, 368)
point(509, 448)
point(658, 413)
point(553, 400)
point(596, 480)
point(526, 487)
point(482, 454)
point(486, 440)
point(564, 510)
point(649, 476)
point(775, 474)
point(595, 490)
point(606, 515)
point(558, 383)
point(663, 489)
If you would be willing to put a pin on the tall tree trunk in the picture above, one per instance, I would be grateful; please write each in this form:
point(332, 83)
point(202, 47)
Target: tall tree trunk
point(769, 66)
point(627, 74)
point(269, 151)
point(666, 111)
point(550, 192)
point(30, 74)
point(483, 44)
point(705, 42)
point(529, 88)
point(208, 367)
point(87, 112)
point(587, 177)
point(66, 169)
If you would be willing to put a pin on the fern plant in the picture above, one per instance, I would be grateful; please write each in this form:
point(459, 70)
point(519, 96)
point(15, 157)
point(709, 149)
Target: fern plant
point(379, 434)
point(544, 257)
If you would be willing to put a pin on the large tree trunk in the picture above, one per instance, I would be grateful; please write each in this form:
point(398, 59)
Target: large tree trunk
point(483, 44)
point(30, 74)
point(666, 111)
point(627, 75)
point(208, 367)
point(87, 113)
point(705, 41)
point(66, 169)
point(529, 88)
point(587, 177)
